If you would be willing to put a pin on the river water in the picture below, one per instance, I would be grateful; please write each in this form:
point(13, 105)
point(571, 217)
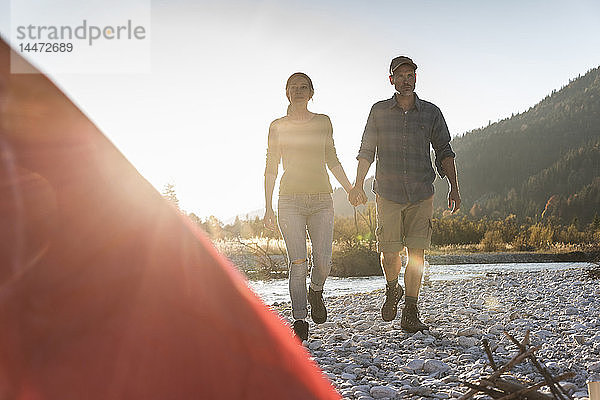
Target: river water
point(276, 290)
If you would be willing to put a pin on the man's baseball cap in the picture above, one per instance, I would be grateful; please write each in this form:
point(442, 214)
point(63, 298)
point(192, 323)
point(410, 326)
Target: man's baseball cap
point(398, 61)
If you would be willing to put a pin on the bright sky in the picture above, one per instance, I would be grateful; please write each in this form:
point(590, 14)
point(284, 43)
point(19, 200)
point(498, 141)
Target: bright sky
point(199, 119)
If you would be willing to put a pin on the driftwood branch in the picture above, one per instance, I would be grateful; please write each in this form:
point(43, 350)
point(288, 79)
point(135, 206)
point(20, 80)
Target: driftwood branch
point(557, 390)
point(499, 388)
point(524, 392)
point(508, 366)
point(518, 391)
point(486, 347)
point(480, 388)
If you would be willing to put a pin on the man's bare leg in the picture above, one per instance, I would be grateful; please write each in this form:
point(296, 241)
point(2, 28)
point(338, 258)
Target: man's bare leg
point(412, 280)
point(391, 263)
point(414, 272)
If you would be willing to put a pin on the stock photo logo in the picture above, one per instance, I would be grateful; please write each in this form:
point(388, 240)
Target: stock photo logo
point(85, 32)
point(74, 37)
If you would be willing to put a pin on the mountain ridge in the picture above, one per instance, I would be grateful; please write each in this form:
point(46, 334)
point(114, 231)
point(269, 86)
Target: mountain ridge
point(498, 165)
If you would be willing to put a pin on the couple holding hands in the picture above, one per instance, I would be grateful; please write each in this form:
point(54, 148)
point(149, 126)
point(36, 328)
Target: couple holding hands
point(398, 134)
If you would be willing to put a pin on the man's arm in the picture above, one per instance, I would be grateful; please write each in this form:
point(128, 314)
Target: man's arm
point(357, 195)
point(366, 156)
point(449, 168)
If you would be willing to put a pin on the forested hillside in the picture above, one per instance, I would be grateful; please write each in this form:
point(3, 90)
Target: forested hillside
point(548, 155)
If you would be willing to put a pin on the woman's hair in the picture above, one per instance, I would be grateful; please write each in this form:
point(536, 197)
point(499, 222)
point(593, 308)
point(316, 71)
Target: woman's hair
point(287, 85)
point(302, 74)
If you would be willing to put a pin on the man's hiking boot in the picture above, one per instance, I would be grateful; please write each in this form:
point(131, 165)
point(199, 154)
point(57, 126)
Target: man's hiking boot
point(390, 306)
point(318, 312)
point(410, 319)
point(301, 329)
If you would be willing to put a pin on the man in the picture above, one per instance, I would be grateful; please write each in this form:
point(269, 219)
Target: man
point(399, 131)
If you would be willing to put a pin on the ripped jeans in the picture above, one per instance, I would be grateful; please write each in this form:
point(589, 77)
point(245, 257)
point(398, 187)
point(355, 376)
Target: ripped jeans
point(298, 213)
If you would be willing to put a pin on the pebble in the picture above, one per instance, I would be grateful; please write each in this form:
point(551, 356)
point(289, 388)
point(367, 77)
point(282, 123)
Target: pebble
point(470, 331)
point(415, 365)
point(435, 366)
point(580, 339)
point(571, 311)
point(380, 392)
point(594, 367)
point(367, 358)
point(315, 344)
point(347, 376)
point(484, 317)
point(420, 390)
point(467, 341)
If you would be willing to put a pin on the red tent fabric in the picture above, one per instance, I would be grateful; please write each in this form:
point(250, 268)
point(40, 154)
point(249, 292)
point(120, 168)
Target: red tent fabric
point(106, 291)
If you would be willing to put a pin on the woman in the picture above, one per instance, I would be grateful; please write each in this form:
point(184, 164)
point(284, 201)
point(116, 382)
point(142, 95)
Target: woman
point(304, 142)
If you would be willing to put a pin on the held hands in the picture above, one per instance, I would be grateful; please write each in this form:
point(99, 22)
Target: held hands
point(357, 196)
point(454, 200)
point(269, 219)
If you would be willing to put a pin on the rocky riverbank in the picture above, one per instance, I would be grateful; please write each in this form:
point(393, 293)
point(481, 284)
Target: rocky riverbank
point(512, 257)
point(366, 358)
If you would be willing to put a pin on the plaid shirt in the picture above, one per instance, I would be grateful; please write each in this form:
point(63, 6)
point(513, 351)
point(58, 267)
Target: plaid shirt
point(401, 142)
